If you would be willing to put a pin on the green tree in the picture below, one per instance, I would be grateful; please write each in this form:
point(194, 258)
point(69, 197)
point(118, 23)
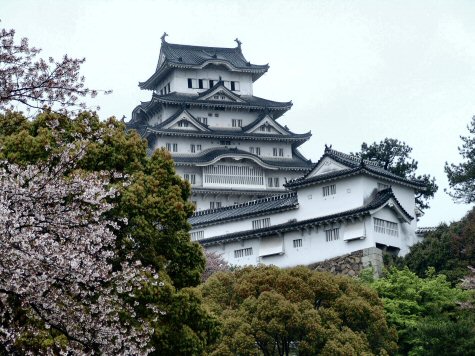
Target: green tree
point(154, 203)
point(395, 156)
point(425, 313)
point(462, 176)
point(271, 311)
point(450, 249)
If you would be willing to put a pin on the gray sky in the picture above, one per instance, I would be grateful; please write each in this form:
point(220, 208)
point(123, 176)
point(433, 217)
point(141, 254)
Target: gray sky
point(355, 70)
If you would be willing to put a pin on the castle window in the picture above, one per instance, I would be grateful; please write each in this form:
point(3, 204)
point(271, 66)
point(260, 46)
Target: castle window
point(212, 82)
point(251, 149)
point(332, 234)
point(236, 123)
point(260, 223)
point(168, 87)
point(276, 182)
point(192, 148)
point(262, 128)
point(274, 152)
point(270, 182)
point(225, 143)
point(386, 227)
point(329, 190)
point(210, 114)
point(197, 235)
point(172, 147)
point(200, 83)
point(243, 252)
point(214, 204)
point(190, 178)
point(235, 86)
point(281, 152)
point(297, 243)
point(216, 115)
point(183, 123)
point(192, 83)
point(198, 148)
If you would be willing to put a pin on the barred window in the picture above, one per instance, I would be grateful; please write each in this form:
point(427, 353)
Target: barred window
point(243, 252)
point(260, 223)
point(197, 235)
point(190, 178)
point(297, 243)
point(332, 234)
point(386, 227)
point(329, 190)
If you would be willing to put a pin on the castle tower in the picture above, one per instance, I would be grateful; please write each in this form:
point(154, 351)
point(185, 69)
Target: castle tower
point(224, 140)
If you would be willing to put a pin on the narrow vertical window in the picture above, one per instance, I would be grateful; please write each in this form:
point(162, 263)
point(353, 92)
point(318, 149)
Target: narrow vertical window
point(276, 182)
point(190, 84)
point(258, 151)
point(332, 234)
point(175, 147)
point(329, 190)
point(274, 152)
point(270, 181)
point(192, 148)
point(281, 152)
point(200, 83)
point(297, 243)
point(198, 148)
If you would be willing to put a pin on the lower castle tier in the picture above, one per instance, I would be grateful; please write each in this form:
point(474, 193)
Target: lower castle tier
point(224, 140)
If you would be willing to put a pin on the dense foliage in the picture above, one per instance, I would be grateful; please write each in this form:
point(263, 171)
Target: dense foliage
point(271, 311)
point(450, 249)
point(154, 203)
point(462, 176)
point(394, 156)
point(58, 288)
point(427, 313)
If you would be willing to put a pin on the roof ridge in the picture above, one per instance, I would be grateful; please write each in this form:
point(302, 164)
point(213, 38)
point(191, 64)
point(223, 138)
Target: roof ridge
point(357, 160)
point(248, 203)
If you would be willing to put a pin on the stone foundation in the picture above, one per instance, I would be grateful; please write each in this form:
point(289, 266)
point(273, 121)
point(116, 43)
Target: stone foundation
point(351, 264)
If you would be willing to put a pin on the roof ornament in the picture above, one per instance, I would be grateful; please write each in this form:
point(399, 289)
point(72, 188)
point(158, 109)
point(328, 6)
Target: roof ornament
point(362, 162)
point(328, 148)
point(163, 37)
point(238, 42)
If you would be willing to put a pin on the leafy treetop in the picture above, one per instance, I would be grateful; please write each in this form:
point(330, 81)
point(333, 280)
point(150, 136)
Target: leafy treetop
point(394, 156)
point(462, 176)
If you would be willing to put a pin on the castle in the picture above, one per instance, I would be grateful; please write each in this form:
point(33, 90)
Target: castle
point(258, 199)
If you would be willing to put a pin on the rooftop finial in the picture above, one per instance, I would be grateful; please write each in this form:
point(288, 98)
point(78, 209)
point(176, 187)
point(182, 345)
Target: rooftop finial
point(238, 42)
point(163, 37)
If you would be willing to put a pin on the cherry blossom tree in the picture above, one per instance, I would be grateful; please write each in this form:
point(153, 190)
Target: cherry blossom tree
point(214, 263)
point(59, 290)
point(35, 82)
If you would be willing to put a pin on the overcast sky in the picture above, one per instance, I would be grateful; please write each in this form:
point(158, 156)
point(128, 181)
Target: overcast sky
point(356, 71)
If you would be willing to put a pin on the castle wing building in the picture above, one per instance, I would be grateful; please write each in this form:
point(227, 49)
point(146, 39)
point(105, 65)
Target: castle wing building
point(224, 140)
point(340, 206)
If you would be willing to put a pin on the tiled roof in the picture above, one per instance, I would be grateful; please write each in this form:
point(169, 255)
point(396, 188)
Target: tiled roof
point(250, 102)
point(378, 201)
point(185, 56)
point(213, 153)
point(355, 166)
point(252, 208)
point(197, 55)
point(298, 139)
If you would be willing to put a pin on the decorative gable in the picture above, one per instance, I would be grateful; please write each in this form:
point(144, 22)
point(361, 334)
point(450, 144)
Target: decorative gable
point(184, 121)
point(220, 93)
point(266, 126)
point(327, 165)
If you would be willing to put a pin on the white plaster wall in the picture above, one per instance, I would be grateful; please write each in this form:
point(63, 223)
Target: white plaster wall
point(314, 248)
point(349, 195)
point(179, 81)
